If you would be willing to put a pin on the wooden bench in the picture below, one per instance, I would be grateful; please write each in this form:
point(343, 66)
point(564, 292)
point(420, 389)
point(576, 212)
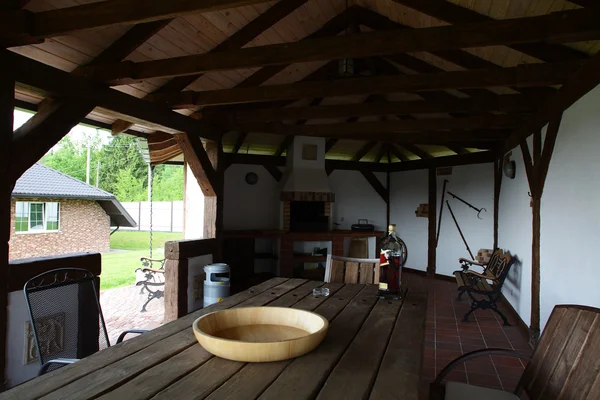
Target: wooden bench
point(564, 364)
point(352, 270)
point(152, 280)
point(484, 288)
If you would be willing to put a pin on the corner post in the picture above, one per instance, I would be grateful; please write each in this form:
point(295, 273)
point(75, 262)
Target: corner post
point(431, 258)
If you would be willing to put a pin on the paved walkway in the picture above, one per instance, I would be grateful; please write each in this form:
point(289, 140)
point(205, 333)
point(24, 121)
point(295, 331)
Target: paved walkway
point(121, 308)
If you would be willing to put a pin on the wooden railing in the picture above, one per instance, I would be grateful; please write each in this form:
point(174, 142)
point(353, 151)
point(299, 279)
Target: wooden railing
point(178, 255)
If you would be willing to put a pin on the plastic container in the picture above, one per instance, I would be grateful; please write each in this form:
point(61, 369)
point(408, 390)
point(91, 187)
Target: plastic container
point(217, 283)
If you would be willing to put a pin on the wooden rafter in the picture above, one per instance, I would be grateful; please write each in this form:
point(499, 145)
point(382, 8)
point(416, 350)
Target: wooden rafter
point(522, 75)
point(457, 149)
point(329, 144)
point(446, 11)
point(239, 141)
point(578, 84)
point(396, 126)
point(363, 151)
point(417, 151)
point(459, 57)
point(381, 190)
point(253, 159)
point(48, 80)
point(274, 171)
point(101, 14)
point(239, 39)
point(395, 150)
point(446, 161)
point(383, 150)
point(504, 103)
point(284, 145)
point(196, 157)
point(566, 26)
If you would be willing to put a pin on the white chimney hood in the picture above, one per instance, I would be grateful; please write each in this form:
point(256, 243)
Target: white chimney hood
point(305, 166)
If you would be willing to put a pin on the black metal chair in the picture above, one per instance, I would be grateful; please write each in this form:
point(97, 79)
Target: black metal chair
point(66, 318)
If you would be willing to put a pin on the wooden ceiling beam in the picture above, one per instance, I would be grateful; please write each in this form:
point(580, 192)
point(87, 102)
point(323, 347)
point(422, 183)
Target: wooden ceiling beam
point(502, 103)
point(239, 141)
point(363, 151)
point(49, 81)
point(522, 76)
point(65, 21)
point(578, 84)
point(575, 25)
point(398, 126)
point(446, 161)
point(454, 14)
point(395, 150)
point(280, 161)
point(417, 151)
point(239, 39)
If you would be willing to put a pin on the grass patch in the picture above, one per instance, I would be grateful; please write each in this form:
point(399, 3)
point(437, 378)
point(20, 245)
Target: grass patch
point(118, 269)
point(134, 240)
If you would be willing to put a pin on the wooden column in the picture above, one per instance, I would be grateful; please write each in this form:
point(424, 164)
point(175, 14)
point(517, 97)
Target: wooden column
point(536, 168)
point(213, 205)
point(7, 96)
point(387, 208)
point(497, 186)
point(431, 261)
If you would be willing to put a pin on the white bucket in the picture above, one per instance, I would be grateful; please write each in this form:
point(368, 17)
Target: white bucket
point(216, 285)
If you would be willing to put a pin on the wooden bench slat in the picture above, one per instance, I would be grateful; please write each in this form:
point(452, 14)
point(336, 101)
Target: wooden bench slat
point(45, 384)
point(400, 369)
point(460, 280)
point(351, 275)
point(366, 271)
point(303, 378)
point(337, 270)
point(352, 376)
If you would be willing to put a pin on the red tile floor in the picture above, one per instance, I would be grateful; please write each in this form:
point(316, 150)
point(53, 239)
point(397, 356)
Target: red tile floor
point(447, 337)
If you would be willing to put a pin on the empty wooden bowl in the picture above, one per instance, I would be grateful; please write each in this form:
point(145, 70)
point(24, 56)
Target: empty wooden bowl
point(260, 334)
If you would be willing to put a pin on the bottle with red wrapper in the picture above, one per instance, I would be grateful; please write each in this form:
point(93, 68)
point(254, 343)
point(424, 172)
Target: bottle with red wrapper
point(392, 258)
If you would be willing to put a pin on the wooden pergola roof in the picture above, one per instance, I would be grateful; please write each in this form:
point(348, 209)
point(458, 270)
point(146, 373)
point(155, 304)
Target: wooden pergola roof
point(432, 78)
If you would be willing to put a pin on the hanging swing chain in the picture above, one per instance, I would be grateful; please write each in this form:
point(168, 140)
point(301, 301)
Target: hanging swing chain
point(150, 198)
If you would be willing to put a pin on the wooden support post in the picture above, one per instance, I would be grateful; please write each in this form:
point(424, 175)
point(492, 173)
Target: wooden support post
point(432, 243)
point(7, 97)
point(176, 296)
point(537, 169)
point(497, 185)
point(388, 185)
point(213, 204)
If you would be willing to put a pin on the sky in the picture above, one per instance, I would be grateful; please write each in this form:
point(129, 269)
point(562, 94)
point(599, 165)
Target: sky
point(78, 134)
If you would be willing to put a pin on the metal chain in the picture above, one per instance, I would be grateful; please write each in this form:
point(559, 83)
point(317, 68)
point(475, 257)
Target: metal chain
point(151, 183)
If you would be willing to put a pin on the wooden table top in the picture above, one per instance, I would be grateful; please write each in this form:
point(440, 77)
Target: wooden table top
point(373, 350)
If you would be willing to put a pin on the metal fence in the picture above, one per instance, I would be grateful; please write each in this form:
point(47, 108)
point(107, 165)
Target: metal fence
point(167, 216)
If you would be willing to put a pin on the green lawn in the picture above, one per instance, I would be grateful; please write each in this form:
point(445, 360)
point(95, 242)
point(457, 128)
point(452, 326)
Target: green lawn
point(118, 269)
point(132, 240)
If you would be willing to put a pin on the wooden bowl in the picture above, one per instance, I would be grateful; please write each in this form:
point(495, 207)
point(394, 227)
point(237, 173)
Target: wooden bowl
point(260, 334)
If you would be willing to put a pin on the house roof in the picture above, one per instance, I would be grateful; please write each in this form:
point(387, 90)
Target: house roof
point(40, 181)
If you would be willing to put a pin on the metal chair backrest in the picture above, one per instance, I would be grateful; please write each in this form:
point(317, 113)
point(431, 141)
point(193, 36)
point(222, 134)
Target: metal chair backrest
point(65, 313)
point(352, 270)
point(566, 361)
point(497, 263)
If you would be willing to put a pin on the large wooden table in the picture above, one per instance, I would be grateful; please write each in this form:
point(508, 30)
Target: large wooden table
point(373, 350)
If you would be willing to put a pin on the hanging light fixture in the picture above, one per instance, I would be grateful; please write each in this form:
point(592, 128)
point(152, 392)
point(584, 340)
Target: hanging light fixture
point(346, 65)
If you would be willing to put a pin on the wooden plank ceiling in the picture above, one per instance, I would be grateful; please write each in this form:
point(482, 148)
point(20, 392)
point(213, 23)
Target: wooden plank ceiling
point(423, 85)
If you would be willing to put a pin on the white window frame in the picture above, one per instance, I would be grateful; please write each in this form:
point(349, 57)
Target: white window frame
point(44, 217)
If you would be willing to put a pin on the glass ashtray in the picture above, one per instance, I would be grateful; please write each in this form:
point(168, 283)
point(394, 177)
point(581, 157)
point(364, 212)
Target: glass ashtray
point(321, 292)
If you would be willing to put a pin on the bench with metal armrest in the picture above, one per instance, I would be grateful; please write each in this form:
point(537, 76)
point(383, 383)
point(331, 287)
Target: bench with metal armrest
point(484, 288)
point(152, 280)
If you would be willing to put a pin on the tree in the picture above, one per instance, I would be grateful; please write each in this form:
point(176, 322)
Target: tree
point(122, 153)
point(128, 187)
point(168, 183)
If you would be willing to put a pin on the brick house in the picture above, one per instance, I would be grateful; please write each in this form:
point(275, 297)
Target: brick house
point(53, 213)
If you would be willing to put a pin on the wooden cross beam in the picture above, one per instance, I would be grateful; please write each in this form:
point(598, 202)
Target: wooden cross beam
point(446, 161)
point(64, 21)
point(240, 38)
point(511, 103)
point(522, 76)
point(358, 129)
point(446, 11)
point(196, 157)
point(381, 190)
point(39, 77)
point(565, 26)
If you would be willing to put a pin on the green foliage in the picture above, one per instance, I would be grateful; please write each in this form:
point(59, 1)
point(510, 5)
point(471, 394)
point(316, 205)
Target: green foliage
point(168, 183)
point(139, 240)
point(123, 171)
